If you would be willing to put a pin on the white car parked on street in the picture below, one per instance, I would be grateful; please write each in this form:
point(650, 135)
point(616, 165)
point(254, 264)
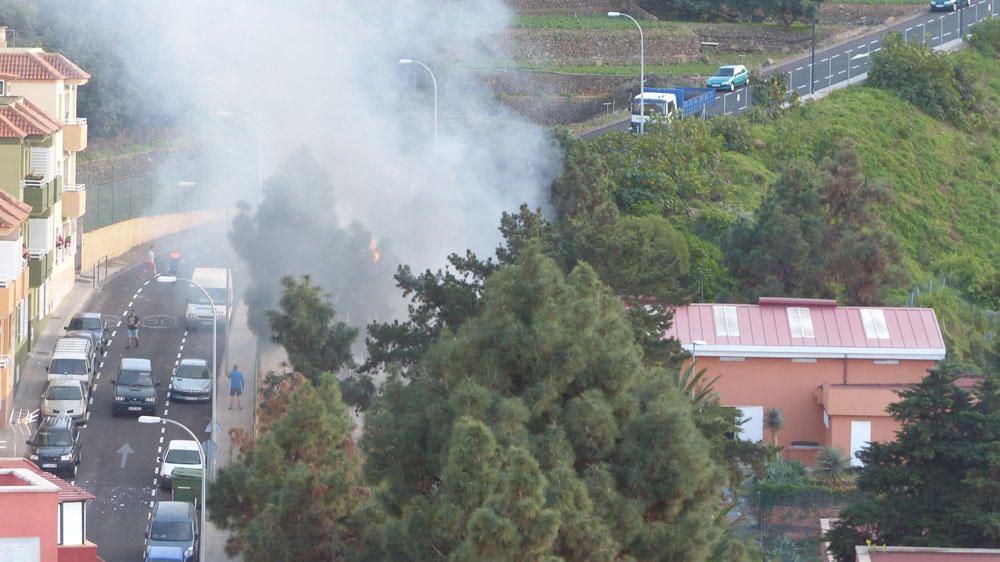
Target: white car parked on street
point(179, 453)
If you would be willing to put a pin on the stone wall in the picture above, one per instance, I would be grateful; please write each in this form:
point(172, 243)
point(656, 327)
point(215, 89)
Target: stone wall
point(588, 47)
point(117, 239)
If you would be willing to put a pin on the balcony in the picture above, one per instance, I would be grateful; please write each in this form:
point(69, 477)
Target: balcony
point(75, 135)
point(12, 291)
point(39, 268)
point(74, 201)
point(41, 193)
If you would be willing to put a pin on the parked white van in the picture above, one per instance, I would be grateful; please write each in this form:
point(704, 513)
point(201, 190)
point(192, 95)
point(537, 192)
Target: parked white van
point(218, 283)
point(72, 358)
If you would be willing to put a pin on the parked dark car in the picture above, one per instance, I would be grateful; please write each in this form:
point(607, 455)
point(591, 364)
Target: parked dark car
point(56, 446)
point(174, 524)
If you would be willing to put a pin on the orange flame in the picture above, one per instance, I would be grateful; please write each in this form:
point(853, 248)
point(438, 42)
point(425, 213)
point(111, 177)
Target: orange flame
point(376, 254)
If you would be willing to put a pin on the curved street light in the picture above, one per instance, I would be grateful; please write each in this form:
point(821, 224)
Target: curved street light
point(215, 358)
point(434, 80)
point(642, 69)
point(204, 472)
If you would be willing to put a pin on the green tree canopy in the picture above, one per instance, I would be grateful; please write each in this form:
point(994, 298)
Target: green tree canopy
point(936, 484)
point(535, 429)
point(305, 326)
point(296, 493)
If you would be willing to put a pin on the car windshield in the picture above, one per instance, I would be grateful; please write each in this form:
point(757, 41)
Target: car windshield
point(68, 367)
point(135, 378)
point(64, 393)
point(652, 107)
point(84, 324)
point(218, 296)
point(192, 372)
point(724, 71)
point(170, 531)
point(53, 439)
point(183, 456)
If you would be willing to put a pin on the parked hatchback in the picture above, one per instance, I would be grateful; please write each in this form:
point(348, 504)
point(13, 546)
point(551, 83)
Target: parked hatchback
point(180, 453)
point(729, 77)
point(191, 381)
point(92, 325)
point(55, 447)
point(65, 397)
point(174, 524)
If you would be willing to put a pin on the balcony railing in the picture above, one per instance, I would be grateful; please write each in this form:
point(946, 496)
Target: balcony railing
point(76, 121)
point(4, 361)
point(75, 187)
point(38, 254)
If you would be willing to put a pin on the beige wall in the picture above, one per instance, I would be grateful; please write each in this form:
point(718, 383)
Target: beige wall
point(116, 239)
point(43, 93)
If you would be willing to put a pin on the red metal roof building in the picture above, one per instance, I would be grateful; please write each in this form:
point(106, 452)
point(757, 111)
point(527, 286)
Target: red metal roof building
point(831, 370)
point(42, 517)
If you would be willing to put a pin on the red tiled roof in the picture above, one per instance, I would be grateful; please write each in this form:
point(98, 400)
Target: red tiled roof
point(37, 65)
point(13, 211)
point(19, 118)
point(836, 331)
point(65, 66)
point(67, 491)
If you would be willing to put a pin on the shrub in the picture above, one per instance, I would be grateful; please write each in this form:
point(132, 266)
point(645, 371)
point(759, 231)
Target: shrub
point(986, 37)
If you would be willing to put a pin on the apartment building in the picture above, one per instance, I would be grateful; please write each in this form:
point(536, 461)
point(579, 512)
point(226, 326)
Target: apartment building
point(50, 81)
point(13, 294)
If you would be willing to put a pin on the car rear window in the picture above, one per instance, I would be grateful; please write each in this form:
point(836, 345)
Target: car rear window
point(170, 531)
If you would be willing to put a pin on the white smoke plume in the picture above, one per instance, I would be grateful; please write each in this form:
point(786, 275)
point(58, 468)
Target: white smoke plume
point(325, 75)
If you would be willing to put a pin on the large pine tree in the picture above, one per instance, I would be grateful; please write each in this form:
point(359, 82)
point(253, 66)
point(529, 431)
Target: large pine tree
point(535, 432)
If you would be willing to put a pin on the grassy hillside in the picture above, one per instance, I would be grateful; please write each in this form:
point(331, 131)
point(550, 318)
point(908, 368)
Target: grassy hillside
point(946, 208)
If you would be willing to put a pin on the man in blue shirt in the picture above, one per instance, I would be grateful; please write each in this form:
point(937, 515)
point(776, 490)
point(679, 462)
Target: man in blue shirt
point(235, 387)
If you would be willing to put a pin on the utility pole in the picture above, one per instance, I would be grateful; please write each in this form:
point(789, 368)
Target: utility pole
point(812, 64)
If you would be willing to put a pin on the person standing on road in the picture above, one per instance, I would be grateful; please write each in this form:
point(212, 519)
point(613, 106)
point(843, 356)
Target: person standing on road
point(132, 323)
point(235, 387)
point(150, 270)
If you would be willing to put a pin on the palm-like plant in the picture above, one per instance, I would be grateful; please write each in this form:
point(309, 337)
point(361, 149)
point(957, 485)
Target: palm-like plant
point(775, 423)
point(832, 467)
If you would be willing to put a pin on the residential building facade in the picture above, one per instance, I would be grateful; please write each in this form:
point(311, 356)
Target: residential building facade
point(43, 518)
point(13, 293)
point(40, 137)
point(831, 371)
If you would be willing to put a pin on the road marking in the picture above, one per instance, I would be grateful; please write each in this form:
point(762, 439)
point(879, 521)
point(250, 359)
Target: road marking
point(140, 289)
point(165, 412)
point(88, 411)
point(797, 69)
point(824, 60)
point(159, 450)
point(101, 365)
point(163, 430)
point(125, 450)
point(907, 30)
point(90, 402)
point(153, 492)
point(93, 388)
point(130, 303)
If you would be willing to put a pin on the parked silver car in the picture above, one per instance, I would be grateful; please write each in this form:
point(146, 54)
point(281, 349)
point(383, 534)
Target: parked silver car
point(92, 325)
point(191, 381)
point(65, 397)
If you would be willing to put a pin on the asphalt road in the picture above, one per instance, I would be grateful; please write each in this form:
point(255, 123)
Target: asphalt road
point(848, 60)
point(120, 456)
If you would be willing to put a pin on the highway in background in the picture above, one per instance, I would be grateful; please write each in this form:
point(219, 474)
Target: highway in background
point(120, 456)
point(848, 60)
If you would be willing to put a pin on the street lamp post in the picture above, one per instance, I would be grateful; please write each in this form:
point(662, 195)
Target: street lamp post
point(204, 472)
point(642, 69)
point(215, 357)
point(260, 143)
point(434, 81)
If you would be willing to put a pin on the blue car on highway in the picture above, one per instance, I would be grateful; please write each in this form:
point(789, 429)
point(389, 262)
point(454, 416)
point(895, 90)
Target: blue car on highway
point(729, 77)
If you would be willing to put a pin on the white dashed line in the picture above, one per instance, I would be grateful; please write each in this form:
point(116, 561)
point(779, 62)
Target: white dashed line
point(165, 412)
point(130, 303)
point(113, 335)
point(90, 402)
point(140, 289)
point(797, 69)
point(159, 450)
